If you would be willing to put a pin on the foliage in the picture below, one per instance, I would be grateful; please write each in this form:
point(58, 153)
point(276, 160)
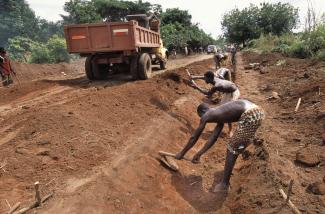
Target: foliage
point(278, 18)
point(116, 10)
point(302, 45)
point(173, 15)
point(57, 49)
point(240, 26)
point(80, 11)
point(19, 48)
point(321, 55)
point(40, 54)
point(17, 19)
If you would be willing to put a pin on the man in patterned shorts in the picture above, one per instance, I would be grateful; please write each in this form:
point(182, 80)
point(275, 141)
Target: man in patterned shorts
point(249, 117)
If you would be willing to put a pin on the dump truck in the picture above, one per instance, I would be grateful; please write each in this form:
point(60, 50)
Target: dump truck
point(132, 46)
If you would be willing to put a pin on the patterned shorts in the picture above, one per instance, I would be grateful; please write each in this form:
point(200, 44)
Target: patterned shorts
point(247, 126)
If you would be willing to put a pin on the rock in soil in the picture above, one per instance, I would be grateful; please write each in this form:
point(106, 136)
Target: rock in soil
point(307, 157)
point(317, 188)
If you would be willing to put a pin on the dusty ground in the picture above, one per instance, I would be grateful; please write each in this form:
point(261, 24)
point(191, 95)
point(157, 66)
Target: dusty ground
point(94, 144)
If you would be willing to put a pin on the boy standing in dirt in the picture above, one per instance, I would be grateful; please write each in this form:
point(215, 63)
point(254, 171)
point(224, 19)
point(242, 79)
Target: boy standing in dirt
point(5, 68)
point(249, 117)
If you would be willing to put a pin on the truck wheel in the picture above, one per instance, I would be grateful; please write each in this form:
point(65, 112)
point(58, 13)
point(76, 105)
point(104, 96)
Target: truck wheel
point(99, 70)
point(163, 64)
point(88, 68)
point(134, 67)
point(145, 71)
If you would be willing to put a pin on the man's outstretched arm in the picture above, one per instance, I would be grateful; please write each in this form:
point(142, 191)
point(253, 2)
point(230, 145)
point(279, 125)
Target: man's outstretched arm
point(202, 90)
point(211, 141)
point(194, 138)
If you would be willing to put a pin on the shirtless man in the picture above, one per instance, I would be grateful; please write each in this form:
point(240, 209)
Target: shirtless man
point(249, 117)
point(229, 89)
point(222, 73)
point(218, 58)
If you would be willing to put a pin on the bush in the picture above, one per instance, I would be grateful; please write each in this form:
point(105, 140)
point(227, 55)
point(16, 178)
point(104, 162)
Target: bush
point(40, 54)
point(298, 49)
point(282, 48)
point(54, 51)
point(19, 48)
point(321, 55)
point(315, 40)
point(58, 49)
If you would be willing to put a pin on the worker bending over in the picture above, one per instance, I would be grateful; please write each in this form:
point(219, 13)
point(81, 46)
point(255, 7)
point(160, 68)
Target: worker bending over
point(228, 89)
point(249, 117)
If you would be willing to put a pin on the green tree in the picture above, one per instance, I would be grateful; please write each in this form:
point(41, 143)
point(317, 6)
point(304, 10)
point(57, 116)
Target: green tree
point(117, 10)
point(17, 19)
point(173, 15)
point(277, 18)
point(80, 11)
point(239, 26)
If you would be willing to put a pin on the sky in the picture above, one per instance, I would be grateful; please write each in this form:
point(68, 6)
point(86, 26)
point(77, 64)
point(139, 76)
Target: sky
point(208, 13)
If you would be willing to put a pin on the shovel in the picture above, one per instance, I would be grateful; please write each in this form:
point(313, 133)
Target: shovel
point(167, 159)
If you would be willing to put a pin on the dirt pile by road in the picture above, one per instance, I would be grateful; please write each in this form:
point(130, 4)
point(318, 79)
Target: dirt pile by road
point(95, 144)
point(294, 140)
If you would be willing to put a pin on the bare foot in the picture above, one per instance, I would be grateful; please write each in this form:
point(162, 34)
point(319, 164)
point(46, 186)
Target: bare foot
point(221, 187)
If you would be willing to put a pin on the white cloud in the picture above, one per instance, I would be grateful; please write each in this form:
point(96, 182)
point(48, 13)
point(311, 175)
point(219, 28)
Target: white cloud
point(206, 12)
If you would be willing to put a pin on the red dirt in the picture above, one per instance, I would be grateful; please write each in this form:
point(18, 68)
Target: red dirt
point(95, 144)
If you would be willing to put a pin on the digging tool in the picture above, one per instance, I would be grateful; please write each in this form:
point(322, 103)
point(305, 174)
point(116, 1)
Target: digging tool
point(162, 153)
point(168, 160)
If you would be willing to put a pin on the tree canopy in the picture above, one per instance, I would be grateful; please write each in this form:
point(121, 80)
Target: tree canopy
point(242, 25)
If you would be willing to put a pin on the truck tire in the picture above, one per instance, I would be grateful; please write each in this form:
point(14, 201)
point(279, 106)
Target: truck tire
point(163, 64)
point(134, 67)
point(145, 70)
point(88, 68)
point(98, 70)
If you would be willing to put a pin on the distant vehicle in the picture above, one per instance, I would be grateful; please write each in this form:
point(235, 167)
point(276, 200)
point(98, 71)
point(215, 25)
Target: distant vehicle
point(111, 47)
point(212, 49)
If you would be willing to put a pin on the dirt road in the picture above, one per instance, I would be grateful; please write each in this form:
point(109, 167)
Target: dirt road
point(94, 144)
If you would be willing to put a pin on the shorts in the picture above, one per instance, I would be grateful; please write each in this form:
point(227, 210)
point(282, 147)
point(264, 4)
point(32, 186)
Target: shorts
point(227, 97)
point(247, 126)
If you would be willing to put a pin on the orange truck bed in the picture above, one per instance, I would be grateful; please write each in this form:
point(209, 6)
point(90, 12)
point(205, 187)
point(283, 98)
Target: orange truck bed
point(109, 37)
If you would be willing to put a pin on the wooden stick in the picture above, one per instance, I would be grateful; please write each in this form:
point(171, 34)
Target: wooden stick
point(24, 210)
point(293, 207)
point(45, 198)
point(188, 73)
point(289, 191)
point(37, 194)
point(298, 104)
point(8, 204)
point(162, 153)
point(14, 208)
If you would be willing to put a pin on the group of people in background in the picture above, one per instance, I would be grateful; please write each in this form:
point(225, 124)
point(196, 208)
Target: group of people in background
point(6, 69)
